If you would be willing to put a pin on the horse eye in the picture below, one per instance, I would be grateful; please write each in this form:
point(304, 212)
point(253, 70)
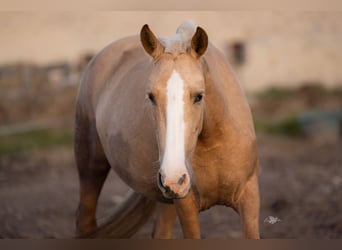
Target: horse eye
point(198, 98)
point(152, 98)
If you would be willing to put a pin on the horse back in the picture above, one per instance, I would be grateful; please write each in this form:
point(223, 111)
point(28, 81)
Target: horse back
point(101, 70)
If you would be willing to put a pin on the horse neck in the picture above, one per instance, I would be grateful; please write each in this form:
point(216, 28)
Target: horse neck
point(227, 112)
point(215, 111)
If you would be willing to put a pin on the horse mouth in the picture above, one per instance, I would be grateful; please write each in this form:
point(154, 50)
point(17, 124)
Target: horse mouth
point(169, 193)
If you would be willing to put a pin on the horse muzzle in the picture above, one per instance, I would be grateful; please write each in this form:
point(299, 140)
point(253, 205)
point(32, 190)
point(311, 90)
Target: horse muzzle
point(174, 188)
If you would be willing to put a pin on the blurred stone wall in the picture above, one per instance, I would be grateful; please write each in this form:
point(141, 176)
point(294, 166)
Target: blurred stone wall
point(280, 48)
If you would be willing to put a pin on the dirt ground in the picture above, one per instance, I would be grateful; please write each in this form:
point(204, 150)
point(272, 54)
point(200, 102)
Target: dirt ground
point(300, 185)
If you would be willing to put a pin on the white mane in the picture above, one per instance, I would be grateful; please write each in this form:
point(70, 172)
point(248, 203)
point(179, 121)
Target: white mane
point(180, 40)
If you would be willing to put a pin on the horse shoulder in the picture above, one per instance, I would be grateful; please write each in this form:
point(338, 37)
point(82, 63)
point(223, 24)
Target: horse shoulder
point(226, 153)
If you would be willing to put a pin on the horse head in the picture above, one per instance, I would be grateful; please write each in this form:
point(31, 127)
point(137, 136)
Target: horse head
point(176, 95)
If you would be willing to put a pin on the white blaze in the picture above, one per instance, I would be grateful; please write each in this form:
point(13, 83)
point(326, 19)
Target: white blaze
point(173, 161)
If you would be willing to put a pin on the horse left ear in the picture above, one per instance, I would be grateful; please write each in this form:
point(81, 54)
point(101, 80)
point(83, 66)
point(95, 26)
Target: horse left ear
point(150, 42)
point(199, 42)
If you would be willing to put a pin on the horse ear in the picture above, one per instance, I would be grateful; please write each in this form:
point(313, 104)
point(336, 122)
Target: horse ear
point(199, 42)
point(150, 43)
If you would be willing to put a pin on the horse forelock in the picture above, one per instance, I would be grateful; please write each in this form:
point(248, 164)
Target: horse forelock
point(180, 41)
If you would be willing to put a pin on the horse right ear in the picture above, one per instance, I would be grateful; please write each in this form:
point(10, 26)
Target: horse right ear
point(150, 43)
point(199, 42)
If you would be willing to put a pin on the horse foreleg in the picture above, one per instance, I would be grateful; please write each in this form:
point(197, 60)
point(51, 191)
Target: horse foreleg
point(187, 212)
point(248, 209)
point(166, 215)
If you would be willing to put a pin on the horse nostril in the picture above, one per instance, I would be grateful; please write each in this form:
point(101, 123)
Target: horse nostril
point(182, 179)
point(168, 190)
point(160, 180)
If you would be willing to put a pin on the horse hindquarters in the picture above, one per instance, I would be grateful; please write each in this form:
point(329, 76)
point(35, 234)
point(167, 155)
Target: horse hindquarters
point(92, 170)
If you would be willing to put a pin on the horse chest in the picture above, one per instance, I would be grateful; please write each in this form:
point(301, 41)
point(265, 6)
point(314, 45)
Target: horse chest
point(218, 177)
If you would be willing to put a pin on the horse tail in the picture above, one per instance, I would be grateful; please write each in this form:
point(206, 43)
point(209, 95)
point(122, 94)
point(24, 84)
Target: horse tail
point(127, 218)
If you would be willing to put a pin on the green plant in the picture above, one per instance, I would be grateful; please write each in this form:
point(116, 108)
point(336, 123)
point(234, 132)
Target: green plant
point(44, 138)
point(288, 127)
point(275, 93)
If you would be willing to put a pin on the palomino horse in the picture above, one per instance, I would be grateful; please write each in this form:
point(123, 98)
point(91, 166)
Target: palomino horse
point(170, 118)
